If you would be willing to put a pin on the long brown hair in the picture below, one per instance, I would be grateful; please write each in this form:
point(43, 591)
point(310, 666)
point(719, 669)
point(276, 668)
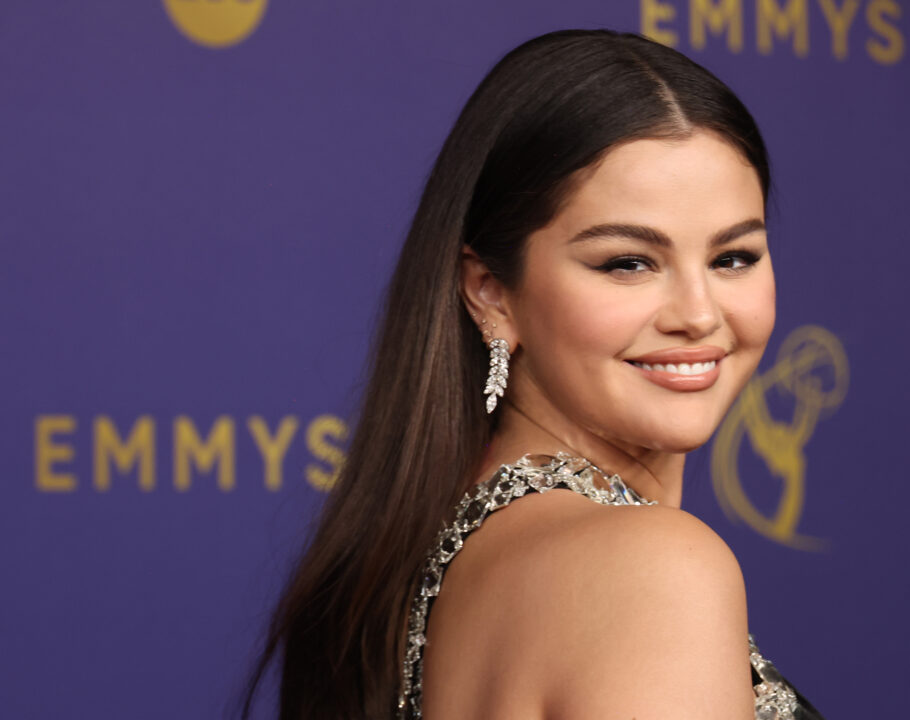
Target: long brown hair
point(547, 109)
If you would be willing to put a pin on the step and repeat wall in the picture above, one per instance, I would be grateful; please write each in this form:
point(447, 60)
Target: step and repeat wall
point(201, 204)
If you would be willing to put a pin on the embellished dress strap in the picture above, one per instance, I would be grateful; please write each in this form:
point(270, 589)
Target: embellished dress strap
point(775, 697)
point(537, 473)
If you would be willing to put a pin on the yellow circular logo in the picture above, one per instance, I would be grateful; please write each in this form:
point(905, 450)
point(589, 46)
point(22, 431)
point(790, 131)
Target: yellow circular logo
point(216, 23)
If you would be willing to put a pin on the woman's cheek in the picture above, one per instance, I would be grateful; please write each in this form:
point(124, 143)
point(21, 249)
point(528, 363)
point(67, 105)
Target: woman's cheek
point(763, 313)
point(750, 311)
point(610, 319)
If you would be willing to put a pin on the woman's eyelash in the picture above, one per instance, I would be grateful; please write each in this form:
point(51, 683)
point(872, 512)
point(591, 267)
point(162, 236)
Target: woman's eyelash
point(624, 262)
point(746, 257)
point(636, 263)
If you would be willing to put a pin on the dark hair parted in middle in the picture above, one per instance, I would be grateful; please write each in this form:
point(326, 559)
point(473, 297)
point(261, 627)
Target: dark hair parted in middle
point(545, 113)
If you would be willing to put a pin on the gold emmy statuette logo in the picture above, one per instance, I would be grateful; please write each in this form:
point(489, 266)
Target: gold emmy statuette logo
point(811, 369)
point(216, 23)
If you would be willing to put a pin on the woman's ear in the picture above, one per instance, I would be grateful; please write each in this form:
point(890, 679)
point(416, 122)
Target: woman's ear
point(486, 300)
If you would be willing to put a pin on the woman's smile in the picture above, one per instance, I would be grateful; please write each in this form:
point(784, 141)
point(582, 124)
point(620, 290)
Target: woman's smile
point(682, 377)
point(681, 369)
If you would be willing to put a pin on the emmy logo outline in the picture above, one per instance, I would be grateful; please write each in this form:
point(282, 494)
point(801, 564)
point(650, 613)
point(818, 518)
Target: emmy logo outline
point(811, 369)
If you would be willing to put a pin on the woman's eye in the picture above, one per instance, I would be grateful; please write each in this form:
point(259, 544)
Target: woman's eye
point(625, 265)
point(737, 261)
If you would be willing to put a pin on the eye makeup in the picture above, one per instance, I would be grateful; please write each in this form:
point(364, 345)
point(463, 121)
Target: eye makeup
point(628, 264)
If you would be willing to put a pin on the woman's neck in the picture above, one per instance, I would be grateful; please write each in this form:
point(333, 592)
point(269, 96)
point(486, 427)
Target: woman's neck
point(653, 474)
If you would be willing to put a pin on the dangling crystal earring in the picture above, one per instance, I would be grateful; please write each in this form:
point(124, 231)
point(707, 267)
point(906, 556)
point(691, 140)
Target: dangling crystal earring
point(499, 371)
point(499, 365)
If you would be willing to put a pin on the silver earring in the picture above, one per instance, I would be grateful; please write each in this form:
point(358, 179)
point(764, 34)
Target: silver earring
point(499, 371)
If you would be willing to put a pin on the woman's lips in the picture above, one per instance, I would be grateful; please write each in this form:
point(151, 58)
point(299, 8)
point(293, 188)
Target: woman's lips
point(683, 375)
point(676, 355)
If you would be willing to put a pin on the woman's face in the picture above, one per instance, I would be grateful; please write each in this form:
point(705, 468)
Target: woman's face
point(656, 268)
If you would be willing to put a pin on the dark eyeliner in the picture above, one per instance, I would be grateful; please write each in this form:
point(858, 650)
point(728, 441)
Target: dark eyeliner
point(747, 256)
point(617, 263)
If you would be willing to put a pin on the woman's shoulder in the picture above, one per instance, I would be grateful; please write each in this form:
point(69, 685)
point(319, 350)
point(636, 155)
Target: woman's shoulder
point(562, 536)
point(636, 604)
point(567, 534)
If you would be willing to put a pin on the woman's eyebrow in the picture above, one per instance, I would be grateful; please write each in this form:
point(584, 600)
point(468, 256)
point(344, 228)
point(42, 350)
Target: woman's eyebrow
point(656, 237)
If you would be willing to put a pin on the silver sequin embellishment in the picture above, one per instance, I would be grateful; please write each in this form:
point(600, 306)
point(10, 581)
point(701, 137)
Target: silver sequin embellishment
point(774, 698)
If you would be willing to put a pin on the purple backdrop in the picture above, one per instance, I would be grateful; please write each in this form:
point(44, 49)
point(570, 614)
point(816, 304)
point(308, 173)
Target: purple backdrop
point(201, 202)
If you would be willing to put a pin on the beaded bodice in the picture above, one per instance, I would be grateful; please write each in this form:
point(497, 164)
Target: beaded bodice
point(775, 698)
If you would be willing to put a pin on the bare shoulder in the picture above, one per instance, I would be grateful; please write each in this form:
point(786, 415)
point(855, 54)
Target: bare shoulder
point(629, 611)
point(668, 636)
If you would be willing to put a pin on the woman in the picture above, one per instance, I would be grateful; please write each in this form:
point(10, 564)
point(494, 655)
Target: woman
point(585, 288)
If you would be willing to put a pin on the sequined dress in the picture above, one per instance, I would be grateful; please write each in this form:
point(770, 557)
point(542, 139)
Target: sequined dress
point(775, 697)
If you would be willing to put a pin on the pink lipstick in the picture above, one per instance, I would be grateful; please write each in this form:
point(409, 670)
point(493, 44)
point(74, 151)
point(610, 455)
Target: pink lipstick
point(681, 369)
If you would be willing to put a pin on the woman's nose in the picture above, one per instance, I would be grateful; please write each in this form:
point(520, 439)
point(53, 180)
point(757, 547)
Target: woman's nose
point(690, 308)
